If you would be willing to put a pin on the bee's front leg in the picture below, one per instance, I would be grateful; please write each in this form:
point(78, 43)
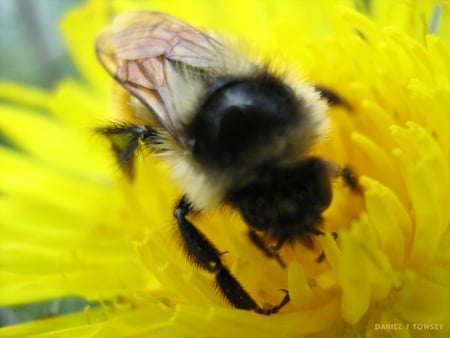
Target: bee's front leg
point(261, 245)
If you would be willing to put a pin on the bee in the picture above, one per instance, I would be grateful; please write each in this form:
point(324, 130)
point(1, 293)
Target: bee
point(235, 132)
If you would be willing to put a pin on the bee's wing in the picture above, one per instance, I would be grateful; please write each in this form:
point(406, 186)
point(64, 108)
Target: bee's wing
point(138, 50)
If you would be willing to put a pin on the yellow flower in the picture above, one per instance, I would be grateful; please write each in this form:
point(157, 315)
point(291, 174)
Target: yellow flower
point(71, 224)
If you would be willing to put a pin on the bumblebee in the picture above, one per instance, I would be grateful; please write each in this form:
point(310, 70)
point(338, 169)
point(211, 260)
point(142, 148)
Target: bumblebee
point(234, 131)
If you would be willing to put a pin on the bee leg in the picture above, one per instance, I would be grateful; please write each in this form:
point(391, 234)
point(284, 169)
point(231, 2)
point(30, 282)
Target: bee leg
point(321, 257)
point(125, 140)
point(331, 97)
point(351, 179)
point(261, 244)
point(206, 256)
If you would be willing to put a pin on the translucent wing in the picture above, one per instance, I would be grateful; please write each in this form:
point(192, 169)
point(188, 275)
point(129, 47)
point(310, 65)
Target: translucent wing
point(139, 49)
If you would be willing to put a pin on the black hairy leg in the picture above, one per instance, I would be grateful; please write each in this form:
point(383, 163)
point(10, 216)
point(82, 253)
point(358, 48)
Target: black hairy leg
point(331, 97)
point(206, 256)
point(262, 245)
point(125, 141)
point(351, 179)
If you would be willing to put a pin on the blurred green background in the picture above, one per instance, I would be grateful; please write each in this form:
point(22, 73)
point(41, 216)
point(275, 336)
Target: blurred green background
point(31, 48)
point(32, 52)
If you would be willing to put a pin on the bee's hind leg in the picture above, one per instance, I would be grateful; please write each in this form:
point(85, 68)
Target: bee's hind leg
point(206, 256)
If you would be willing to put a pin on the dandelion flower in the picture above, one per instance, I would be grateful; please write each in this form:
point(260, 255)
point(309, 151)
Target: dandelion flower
point(72, 224)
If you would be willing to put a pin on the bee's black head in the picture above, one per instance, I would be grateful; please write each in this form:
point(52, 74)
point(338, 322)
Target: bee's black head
point(286, 203)
point(238, 116)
